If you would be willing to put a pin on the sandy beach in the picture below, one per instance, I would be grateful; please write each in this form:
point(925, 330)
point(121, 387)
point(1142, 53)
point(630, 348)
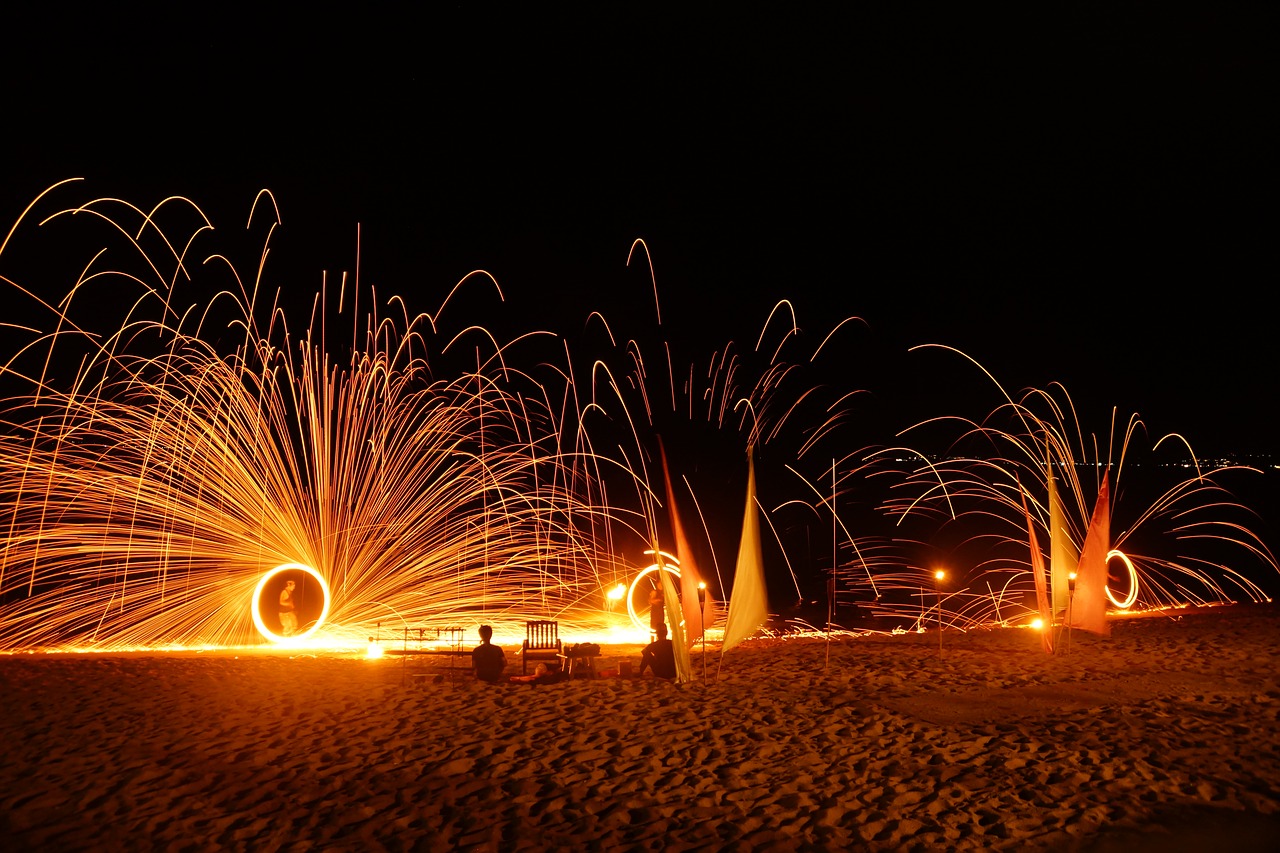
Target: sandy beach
point(1163, 736)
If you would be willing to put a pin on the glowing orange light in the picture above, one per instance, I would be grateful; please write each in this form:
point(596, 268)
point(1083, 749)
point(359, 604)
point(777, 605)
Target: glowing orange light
point(1037, 623)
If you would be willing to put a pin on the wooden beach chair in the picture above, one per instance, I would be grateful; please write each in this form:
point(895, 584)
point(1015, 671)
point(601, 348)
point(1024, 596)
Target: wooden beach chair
point(541, 642)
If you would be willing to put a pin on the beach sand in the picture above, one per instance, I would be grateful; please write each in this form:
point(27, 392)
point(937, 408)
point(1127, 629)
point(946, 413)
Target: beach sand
point(1163, 736)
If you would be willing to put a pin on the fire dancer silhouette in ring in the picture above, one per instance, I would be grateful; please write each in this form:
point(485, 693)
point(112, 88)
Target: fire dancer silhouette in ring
point(657, 614)
point(288, 615)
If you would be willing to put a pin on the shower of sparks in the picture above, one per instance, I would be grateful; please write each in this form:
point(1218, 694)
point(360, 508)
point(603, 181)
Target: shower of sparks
point(1179, 537)
point(164, 453)
point(173, 449)
point(785, 396)
point(148, 482)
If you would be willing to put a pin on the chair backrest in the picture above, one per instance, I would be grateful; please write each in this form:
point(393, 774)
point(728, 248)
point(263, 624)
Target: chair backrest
point(544, 634)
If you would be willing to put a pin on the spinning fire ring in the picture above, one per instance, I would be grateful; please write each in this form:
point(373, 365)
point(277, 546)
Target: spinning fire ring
point(1133, 581)
point(670, 565)
point(309, 586)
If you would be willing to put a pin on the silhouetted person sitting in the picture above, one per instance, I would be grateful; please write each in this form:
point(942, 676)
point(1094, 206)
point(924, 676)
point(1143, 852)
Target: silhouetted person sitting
point(488, 660)
point(660, 656)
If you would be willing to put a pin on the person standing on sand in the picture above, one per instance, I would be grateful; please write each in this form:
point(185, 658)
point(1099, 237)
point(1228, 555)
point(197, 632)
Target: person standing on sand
point(487, 660)
point(660, 656)
point(657, 616)
point(288, 616)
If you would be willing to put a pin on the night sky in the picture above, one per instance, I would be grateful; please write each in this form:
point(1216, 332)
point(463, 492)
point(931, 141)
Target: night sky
point(1075, 199)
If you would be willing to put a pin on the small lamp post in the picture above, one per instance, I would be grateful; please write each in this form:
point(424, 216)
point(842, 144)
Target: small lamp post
point(937, 586)
point(831, 612)
point(702, 624)
point(1071, 597)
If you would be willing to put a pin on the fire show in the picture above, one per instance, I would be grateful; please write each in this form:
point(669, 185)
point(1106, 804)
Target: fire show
point(586, 428)
point(162, 475)
point(179, 444)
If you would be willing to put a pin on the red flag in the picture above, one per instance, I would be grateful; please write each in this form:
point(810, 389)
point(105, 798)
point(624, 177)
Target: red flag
point(1089, 603)
point(696, 620)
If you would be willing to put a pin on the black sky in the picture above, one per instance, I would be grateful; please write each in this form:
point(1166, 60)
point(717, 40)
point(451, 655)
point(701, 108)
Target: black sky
point(1066, 198)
